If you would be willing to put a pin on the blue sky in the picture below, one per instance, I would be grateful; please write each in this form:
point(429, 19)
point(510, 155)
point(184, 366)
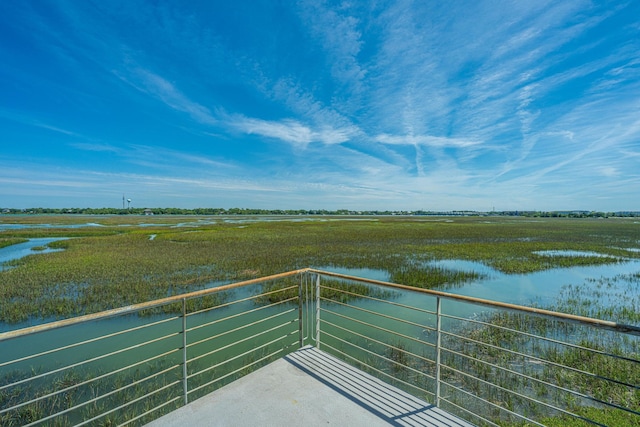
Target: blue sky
point(400, 105)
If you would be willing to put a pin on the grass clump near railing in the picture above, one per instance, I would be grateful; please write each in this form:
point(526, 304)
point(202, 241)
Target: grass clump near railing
point(191, 305)
point(621, 296)
point(335, 290)
point(118, 264)
point(425, 276)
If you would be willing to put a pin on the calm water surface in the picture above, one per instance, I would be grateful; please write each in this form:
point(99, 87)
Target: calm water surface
point(20, 250)
point(541, 287)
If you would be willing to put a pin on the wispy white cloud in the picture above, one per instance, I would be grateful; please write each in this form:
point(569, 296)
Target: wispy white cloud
point(96, 147)
point(292, 131)
point(302, 103)
point(156, 86)
point(43, 181)
point(426, 140)
point(337, 30)
point(158, 158)
point(632, 154)
point(287, 130)
point(35, 122)
point(98, 187)
point(608, 171)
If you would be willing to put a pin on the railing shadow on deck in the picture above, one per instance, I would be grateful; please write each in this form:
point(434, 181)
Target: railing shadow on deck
point(487, 362)
point(395, 407)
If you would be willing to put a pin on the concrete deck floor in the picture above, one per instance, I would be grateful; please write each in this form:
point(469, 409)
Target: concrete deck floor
point(308, 388)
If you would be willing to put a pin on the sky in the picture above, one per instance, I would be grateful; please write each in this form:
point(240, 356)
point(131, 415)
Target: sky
point(362, 105)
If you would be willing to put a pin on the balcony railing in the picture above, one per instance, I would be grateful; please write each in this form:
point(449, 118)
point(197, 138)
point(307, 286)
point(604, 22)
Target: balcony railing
point(490, 363)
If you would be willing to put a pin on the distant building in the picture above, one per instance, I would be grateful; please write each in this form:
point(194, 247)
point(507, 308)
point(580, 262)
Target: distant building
point(148, 211)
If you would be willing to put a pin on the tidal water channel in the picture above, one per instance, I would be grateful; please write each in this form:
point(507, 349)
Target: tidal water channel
point(21, 250)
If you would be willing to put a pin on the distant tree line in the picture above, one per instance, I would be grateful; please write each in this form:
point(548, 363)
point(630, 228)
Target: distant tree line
point(249, 211)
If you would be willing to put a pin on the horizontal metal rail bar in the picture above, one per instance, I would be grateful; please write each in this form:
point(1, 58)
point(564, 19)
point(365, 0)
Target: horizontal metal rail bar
point(150, 411)
point(242, 313)
point(379, 328)
point(381, 342)
point(378, 314)
point(543, 338)
point(142, 306)
point(539, 381)
point(241, 327)
point(385, 374)
point(629, 329)
point(378, 356)
point(612, 326)
point(502, 408)
point(137, 399)
point(92, 380)
point(546, 361)
point(219, 349)
point(370, 298)
point(102, 396)
point(531, 399)
point(243, 367)
point(473, 414)
point(93, 359)
point(66, 347)
point(366, 392)
point(230, 303)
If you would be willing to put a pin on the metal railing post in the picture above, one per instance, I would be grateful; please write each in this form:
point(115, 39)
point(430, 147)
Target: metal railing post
point(318, 311)
point(184, 350)
point(300, 305)
point(438, 338)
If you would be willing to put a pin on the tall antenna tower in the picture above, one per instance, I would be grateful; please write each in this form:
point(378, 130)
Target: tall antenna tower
point(123, 201)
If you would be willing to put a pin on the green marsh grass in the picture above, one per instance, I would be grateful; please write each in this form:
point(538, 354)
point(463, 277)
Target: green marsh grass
point(432, 276)
point(117, 264)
